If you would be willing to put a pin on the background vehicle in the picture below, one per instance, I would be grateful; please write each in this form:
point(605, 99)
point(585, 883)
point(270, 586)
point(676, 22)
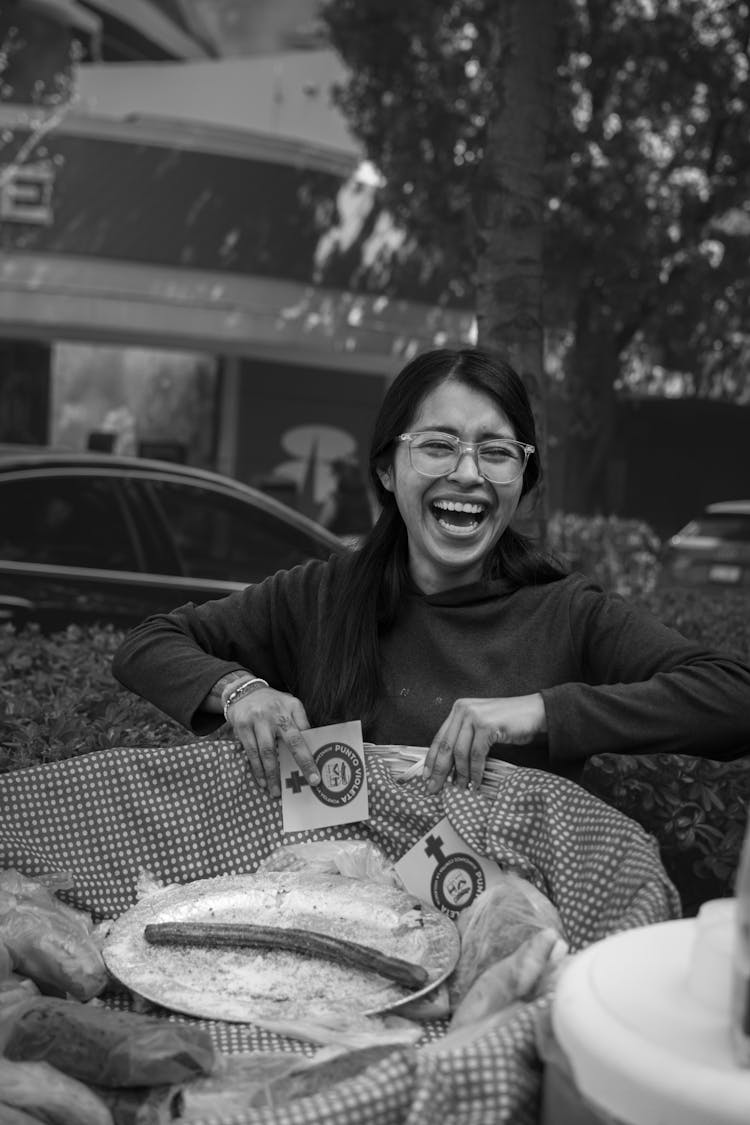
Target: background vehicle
point(88, 537)
point(711, 550)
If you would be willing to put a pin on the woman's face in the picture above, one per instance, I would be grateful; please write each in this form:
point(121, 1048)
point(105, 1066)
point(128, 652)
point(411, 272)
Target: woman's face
point(452, 521)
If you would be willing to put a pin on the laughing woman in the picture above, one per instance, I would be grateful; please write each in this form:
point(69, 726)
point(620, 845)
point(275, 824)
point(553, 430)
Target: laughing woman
point(445, 628)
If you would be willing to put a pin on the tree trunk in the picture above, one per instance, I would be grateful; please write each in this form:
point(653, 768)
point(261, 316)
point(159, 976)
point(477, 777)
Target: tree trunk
point(509, 200)
point(591, 458)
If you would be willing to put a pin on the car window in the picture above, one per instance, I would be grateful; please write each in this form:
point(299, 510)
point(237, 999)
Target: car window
point(720, 526)
point(64, 521)
point(222, 537)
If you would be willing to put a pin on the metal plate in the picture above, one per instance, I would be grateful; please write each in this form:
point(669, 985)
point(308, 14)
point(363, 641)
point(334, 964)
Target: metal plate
point(242, 985)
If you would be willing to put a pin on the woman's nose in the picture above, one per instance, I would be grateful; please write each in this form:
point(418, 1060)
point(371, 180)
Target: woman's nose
point(467, 467)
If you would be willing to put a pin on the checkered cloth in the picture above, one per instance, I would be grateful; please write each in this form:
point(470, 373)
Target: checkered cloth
point(192, 812)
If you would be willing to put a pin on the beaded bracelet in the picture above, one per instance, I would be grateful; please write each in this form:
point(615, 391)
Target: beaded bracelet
point(239, 691)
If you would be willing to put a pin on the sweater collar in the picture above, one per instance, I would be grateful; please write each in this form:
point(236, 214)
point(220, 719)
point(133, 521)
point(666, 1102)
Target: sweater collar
point(474, 593)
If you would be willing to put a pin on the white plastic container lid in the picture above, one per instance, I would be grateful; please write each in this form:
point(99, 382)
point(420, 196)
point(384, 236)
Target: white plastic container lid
point(643, 1045)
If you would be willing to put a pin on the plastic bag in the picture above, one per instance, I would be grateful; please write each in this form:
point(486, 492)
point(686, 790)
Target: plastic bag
point(356, 859)
point(47, 940)
point(274, 1078)
point(50, 1096)
point(497, 924)
point(105, 1047)
point(6, 963)
point(141, 1105)
point(523, 975)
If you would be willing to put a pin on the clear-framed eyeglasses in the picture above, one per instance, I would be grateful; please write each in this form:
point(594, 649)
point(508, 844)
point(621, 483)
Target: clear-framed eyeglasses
point(436, 454)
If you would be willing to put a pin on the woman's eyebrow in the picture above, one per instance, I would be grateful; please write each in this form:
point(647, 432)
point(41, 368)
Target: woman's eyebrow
point(485, 435)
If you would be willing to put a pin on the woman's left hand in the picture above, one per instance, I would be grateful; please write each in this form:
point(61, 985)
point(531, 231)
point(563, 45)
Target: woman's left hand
point(472, 727)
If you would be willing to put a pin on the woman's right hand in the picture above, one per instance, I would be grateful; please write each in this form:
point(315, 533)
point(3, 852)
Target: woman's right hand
point(263, 719)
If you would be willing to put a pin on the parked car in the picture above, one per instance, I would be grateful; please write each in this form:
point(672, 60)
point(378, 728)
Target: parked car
point(711, 550)
point(94, 537)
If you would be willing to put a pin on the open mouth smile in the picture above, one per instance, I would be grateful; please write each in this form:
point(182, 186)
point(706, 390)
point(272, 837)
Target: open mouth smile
point(458, 517)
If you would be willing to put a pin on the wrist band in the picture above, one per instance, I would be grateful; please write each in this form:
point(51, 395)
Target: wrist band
point(241, 689)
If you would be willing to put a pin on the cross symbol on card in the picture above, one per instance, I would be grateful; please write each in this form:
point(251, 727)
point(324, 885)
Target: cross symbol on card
point(434, 848)
point(295, 781)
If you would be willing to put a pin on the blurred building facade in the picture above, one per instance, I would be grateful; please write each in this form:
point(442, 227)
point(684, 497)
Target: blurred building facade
point(192, 246)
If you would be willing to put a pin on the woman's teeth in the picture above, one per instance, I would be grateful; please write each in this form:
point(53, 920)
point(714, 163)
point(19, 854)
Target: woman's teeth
point(458, 516)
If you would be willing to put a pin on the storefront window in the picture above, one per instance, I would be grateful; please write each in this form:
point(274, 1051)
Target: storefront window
point(137, 401)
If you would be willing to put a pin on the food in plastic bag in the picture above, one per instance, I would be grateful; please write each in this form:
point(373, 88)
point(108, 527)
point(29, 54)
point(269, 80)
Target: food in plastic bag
point(356, 859)
point(48, 940)
point(107, 1047)
point(243, 1081)
point(522, 975)
point(6, 962)
point(15, 991)
point(274, 1078)
point(11, 1115)
point(43, 1092)
point(495, 924)
point(141, 1105)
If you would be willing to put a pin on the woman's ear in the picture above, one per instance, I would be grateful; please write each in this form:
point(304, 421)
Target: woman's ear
point(386, 478)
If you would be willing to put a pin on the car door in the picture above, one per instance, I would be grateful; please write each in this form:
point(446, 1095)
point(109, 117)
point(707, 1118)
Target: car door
point(68, 550)
point(223, 539)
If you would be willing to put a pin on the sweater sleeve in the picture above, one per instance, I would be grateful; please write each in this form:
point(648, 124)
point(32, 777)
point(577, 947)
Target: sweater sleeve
point(643, 687)
point(174, 659)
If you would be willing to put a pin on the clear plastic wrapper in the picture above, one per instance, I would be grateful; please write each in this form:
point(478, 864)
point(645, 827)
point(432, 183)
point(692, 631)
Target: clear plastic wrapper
point(50, 1096)
point(355, 859)
point(274, 1078)
point(12, 1115)
point(496, 924)
point(48, 940)
point(105, 1047)
point(142, 1105)
point(6, 962)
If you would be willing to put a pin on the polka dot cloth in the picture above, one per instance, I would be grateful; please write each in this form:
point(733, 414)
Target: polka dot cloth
point(192, 812)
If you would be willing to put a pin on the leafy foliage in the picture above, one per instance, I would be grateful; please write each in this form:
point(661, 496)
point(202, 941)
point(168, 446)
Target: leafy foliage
point(695, 807)
point(719, 619)
point(58, 699)
point(647, 225)
point(620, 554)
point(647, 229)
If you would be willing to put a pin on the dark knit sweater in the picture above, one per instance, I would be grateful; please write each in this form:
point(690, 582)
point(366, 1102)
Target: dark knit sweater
point(612, 677)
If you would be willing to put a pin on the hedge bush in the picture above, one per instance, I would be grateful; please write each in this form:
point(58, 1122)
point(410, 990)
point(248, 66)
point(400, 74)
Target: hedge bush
point(58, 698)
point(620, 554)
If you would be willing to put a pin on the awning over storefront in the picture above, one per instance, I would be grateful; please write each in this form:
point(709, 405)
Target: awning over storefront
point(66, 12)
point(147, 21)
point(163, 231)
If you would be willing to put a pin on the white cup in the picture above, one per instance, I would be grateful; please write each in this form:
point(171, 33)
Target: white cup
point(710, 965)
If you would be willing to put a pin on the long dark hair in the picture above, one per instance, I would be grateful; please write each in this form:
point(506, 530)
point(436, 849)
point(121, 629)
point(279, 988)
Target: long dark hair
point(345, 676)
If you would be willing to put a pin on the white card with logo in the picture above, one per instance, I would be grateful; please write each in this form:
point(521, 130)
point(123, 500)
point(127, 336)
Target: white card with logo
point(341, 796)
point(443, 871)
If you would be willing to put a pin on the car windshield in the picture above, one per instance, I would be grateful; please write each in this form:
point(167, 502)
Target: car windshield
point(719, 525)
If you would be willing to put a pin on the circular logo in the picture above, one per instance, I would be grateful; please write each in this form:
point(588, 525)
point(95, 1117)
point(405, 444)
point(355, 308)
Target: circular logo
point(456, 882)
point(341, 774)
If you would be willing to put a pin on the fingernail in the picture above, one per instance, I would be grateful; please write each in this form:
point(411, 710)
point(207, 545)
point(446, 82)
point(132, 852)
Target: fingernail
point(275, 792)
point(315, 779)
point(432, 787)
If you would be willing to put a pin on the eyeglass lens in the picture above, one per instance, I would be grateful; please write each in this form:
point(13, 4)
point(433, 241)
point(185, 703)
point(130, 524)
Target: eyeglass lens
point(434, 455)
